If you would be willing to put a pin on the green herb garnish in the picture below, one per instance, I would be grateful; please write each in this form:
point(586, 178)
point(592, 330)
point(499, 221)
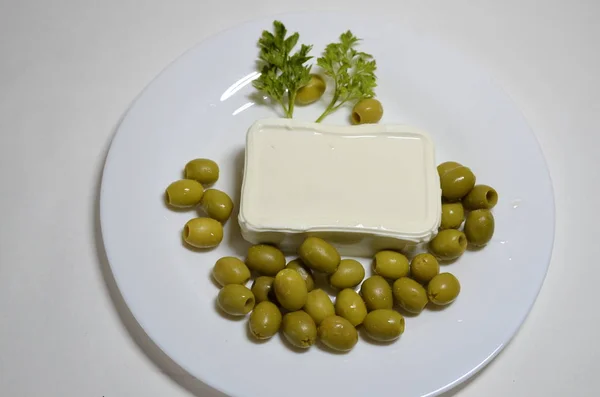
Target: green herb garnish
point(282, 74)
point(352, 71)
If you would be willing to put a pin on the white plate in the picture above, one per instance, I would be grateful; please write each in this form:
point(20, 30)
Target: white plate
point(200, 107)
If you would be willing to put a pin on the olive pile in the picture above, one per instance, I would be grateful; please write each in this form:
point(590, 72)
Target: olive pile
point(285, 297)
point(201, 232)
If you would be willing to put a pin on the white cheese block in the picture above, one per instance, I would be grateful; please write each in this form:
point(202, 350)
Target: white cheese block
point(362, 188)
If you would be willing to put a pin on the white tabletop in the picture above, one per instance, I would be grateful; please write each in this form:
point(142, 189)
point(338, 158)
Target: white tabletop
point(68, 71)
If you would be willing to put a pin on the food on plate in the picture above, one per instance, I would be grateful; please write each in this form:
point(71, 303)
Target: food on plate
point(448, 245)
point(352, 72)
point(481, 197)
point(203, 232)
point(319, 255)
point(230, 270)
point(384, 325)
point(318, 305)
point(312, 91)
point(367, 111)
point(304, 271)
point(349, 274)
point(410, 295)
point(265, 259)
point(349, 305)
point(338, 334)
point(453, 215)
point(479, 227)
point(204, 171)
point(443, 289)
point(217, 204)
point(236, 300)
point(184, 193)
point(456, 182)
point(265, 320)
point(391, 265)
point(299, 329)
point(424, 267)
point(290, 289)
point(262, 288)
point(377, 293)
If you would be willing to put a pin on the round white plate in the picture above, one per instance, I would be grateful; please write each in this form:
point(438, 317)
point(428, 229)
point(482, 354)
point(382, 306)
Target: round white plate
point(202, 105)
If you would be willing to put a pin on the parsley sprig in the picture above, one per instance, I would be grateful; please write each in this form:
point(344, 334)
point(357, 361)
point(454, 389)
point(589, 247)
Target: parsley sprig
point(282, 73)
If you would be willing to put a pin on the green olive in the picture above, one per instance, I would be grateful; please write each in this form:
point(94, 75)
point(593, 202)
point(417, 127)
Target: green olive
point(338, 334)
point(236, 300)
point(391, 265)
point(203, 232)
point(319, 255)
point(265, 259)
point(265, 320)
point(349, 274)
point(184, 193)
point(424, 267)
point(312, 91)
point(367, 111)
point(318, 305)
point(453, 215)
point(377, 293)
point(299, 329)
point(290, 289)
point(304, 271)
point(443, 289)
point(449, 244)
point(410, 295)
point(481, 197)
point(350, 305)
point(479, 227)
point(457, 182)
point(262, 288)
point(204, 171)
point(448, 165)
point(230, 270)
point(384, 325)
point(217, 204)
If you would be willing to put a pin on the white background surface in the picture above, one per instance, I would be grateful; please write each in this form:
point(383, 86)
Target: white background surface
point(69, 70)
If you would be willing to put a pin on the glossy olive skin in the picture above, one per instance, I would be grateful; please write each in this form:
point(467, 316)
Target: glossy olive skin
point(318, 305)
point(290, 289)
point(184, 193)
point(262, 288)
point(448, 165)
point(217, 204)
point(304, 271)
point(312, 91)
point(204, 171)
point(299, 329)
point(319, 255)
point(391, 265)
point(377, 293)
point(265, 259)
point(265, 320)
point(367, 111)
point(236, 300)
point(338, 334)
point(481, 197)
point(424, 267)
point(449, 244)
point(349, 274)
point(410, 295)
point(349, 305)
point(443, 289)
point(384, 325)
point(479, 227)
point(453, 215)
point(457, 182)
point(230, 270)
point(203, 232)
